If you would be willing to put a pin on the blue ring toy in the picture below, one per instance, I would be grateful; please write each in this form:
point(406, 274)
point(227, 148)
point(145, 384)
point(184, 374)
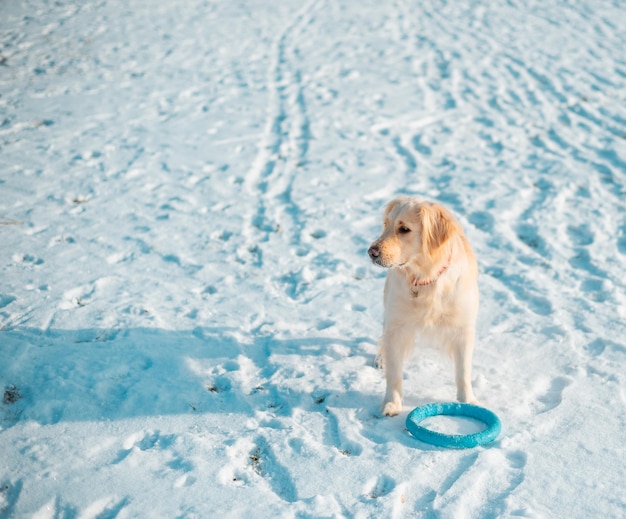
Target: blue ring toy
point(454, 441)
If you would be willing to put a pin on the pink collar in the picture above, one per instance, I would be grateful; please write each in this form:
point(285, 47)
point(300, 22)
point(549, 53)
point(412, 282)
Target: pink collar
point(415, 282)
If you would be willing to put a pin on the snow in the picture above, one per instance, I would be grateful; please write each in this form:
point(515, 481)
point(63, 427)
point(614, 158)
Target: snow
point(188, 317)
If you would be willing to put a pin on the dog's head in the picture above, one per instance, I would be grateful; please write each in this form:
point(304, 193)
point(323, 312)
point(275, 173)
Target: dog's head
point(414, 232)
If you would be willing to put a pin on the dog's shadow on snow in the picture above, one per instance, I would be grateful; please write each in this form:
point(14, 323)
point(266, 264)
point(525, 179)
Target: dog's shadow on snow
point(98, 374)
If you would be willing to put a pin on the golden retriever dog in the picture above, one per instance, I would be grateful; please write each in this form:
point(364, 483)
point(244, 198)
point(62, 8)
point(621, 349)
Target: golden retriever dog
point(431, 290)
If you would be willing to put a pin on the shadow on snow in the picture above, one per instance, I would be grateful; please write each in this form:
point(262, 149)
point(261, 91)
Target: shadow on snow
point(97, 374)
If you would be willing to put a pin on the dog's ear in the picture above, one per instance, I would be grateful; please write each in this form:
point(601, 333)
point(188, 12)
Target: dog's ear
point(390, 207)
point(438, 226)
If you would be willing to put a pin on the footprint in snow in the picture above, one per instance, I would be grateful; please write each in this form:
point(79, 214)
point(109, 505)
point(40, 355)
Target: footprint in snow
point(344, 445)
point(480, 480)
point(553, 395)
point(265, 463)
point(144, 441)
point(9, 495)
point(580, 235)
point(621, 240)
point(379, 487)
point(6, 300)
point(517, 459)
point(20, 258)
point(529, 235)
point(105, 507)
point(482, 220)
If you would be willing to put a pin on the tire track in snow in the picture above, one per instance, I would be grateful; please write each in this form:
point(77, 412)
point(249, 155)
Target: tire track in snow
point(274, 214)
point(406, 146)
point(285, 143)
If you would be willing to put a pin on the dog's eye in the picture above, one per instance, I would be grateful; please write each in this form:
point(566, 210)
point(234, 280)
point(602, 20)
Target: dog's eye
point(403, 230)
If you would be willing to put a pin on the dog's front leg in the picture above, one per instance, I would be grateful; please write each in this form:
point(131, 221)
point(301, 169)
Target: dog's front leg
point(397, 343)
point(463, 350)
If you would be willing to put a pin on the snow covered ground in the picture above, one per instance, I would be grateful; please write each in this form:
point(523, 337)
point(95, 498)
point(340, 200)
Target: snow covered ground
point(188, 317)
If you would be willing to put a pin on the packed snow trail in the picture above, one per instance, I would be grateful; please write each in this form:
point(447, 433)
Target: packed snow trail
point(188, 317)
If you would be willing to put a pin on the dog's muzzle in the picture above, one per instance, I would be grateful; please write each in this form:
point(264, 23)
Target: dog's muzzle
point(374, 254)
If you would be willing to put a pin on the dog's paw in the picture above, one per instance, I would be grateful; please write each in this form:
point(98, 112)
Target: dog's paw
point(391, 408)
point(468, 399)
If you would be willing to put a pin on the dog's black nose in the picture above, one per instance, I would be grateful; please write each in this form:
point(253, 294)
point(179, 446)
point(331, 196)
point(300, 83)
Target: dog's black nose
point(374, 251)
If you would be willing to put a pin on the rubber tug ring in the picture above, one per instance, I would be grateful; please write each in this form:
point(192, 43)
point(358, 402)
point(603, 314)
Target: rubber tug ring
point(454, 441)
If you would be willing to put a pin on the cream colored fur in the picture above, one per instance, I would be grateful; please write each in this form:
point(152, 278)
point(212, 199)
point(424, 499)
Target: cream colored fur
point(431, 291)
